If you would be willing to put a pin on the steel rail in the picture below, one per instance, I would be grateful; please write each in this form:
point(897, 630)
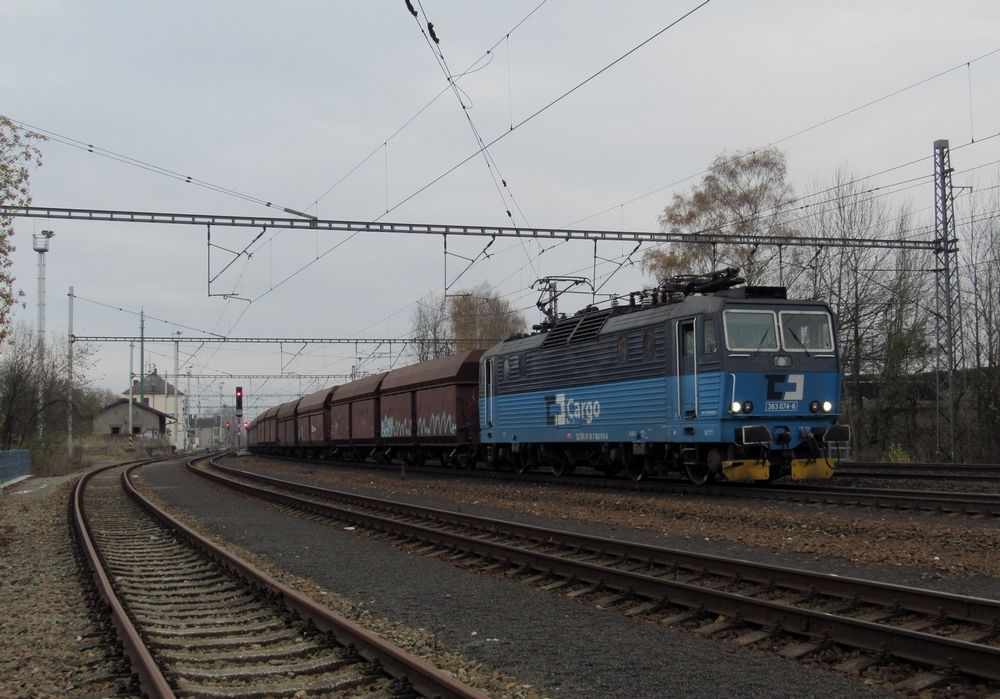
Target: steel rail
point(422, 676)
point(919, 471)
point(973, 658)
point(928, 500)
point(921, 466)
point(151, 680)
point(924, 500)
point(910, 598)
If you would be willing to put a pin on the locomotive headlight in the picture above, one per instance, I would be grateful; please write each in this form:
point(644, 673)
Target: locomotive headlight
point(814, 406)
point(747, 406)
point(827, 406)
point(735, 406)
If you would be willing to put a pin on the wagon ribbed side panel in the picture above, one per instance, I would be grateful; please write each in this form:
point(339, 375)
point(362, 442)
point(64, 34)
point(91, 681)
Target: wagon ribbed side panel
point(396, 421)
point(340, 422)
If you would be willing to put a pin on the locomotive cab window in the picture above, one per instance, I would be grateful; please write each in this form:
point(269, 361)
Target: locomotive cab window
point(687, 339)
point(751, 331)
point(806, 331)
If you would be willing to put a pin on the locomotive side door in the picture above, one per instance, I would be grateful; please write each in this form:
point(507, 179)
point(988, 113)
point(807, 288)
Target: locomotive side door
point(687, 369)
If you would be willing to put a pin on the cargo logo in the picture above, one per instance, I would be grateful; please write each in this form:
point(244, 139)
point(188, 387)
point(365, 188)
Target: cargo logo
point(561, 411)
point(784, 391)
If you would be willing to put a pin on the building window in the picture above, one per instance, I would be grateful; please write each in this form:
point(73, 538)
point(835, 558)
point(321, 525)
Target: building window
point(115, 431)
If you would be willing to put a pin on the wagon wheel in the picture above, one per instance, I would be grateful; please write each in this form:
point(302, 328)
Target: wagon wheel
point(698, 473)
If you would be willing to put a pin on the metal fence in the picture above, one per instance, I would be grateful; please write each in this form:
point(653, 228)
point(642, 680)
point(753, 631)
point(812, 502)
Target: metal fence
point(14, 464)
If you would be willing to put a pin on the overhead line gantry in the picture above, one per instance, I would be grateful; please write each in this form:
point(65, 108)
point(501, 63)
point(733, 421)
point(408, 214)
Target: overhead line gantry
point(210, 220)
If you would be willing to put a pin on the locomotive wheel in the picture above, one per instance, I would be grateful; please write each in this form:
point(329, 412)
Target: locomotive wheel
point(698, 473)
point(521, 463)
point(562, 468)
point(636, 469)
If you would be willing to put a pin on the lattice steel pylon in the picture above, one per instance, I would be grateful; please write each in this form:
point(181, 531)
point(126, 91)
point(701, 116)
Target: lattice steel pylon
point(950, 336)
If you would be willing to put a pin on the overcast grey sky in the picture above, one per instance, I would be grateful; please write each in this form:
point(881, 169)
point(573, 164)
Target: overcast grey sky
point(279, 104)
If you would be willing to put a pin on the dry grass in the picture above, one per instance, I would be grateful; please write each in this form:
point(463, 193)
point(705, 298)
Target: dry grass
point(93, 451)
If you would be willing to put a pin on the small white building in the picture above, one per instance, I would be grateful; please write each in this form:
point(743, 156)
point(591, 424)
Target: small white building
point(159, 394)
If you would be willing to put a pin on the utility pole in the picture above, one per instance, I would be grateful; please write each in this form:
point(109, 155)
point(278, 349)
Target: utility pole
point(69, 364)
point(131, 384)
point(142, 358)
point(177, 414)
point(41, 246)
point(187, 409)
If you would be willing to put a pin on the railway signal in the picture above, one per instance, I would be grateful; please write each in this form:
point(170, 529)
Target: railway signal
point(239, 401)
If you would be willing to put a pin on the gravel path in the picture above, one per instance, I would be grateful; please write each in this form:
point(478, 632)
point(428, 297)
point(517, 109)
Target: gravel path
point(558, 646)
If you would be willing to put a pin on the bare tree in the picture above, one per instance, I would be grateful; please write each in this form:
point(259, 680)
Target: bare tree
point(881, 301)
point(981, 308)
point(431, 328)
point(743, 193)
point(31, 392)
point(18, 152)
point(480, 317)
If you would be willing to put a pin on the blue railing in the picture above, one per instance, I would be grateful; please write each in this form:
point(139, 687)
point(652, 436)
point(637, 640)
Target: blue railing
point(14, 464)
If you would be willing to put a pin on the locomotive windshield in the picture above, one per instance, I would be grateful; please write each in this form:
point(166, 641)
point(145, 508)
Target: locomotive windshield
point(751, 331)
point(807, 331)
point(758, 331)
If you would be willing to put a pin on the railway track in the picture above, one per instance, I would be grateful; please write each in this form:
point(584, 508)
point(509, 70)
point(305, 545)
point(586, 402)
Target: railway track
point(945, 502)
point(195, 620)
point(803, 613)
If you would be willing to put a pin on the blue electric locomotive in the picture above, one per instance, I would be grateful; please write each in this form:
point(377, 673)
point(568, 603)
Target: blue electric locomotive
point(701, 376)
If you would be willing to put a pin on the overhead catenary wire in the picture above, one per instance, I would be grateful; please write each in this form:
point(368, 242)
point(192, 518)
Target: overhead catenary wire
point(551, 104)
point(802, 131)
point(488, 54)
point(492, 166)
point(150, 167)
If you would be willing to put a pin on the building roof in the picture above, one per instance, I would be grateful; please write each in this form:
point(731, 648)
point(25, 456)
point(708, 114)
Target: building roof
point(136, 404)
point(152, 384)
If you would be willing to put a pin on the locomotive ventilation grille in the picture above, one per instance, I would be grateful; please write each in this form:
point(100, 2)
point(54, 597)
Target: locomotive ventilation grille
point(576, 329)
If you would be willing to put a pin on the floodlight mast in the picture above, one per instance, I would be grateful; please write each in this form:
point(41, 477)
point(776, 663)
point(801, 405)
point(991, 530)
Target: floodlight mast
point(41, 246)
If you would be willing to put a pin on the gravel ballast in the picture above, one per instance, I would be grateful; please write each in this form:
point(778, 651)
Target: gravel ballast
point(51, 644)
point(558, 646)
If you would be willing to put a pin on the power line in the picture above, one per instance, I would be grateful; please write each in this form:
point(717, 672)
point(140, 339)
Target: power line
point(807, 129)
point(551, 104)
point(150, 167)
point(467, 71)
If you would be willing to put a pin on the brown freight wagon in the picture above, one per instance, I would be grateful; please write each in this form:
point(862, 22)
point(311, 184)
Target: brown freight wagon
point(354, 417)
point(267, 430)
point(287, 442)
point(431, 410)
point(312, 422)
